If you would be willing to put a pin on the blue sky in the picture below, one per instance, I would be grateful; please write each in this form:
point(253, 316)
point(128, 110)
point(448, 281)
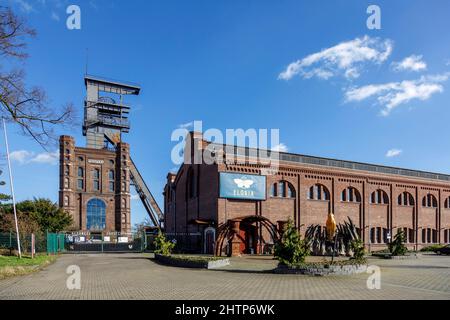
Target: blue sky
point(351, 93)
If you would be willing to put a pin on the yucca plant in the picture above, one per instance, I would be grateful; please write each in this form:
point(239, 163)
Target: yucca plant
point(346, 233)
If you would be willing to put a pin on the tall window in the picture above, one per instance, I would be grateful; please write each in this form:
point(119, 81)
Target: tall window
point(80, 182)
point(378, 235)
point(318, 192)
point(379, 197)
point(96, 215)
point(350, 194)
point(111, 180)
point(447, 203)
point(406, 199)
point(96, 179)
point(429, 235)
point(429, 201)
point(66, 201)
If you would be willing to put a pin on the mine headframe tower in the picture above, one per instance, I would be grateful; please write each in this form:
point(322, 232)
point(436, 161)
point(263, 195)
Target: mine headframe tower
point(105, 119)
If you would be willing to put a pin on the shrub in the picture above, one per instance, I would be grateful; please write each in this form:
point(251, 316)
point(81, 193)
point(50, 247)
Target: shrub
point(291, 249)
point(357, 247)
point(163, 246)
point(432, 248)
point(397, 247)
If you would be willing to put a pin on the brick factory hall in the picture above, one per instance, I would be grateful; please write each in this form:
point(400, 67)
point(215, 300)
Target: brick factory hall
point(200, 199)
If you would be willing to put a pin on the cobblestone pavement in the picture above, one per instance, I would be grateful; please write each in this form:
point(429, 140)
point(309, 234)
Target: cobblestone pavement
point(137, 276)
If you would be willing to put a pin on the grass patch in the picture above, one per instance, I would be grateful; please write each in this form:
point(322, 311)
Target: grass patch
point(200, 259)
point(11, 266)
point(327, 264)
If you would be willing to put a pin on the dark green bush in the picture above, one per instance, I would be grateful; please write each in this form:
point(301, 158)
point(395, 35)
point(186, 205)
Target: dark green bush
point(291, 249)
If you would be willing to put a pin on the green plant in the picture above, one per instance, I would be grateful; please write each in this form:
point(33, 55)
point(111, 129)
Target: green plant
point(357, 247)
point(291, 249)
point(162, 245)
point(432, 248)
point(397, 247)
point(346, 233)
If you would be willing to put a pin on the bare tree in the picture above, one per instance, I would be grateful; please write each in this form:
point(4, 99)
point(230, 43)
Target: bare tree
point(26, 106)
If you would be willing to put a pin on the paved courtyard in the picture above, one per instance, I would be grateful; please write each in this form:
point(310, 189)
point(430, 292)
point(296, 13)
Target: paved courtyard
point(137, 276)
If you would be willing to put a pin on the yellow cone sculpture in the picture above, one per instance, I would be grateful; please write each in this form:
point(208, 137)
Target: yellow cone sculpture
point(331, 226)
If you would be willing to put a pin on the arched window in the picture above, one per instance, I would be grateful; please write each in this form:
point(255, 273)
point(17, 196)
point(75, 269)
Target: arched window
point(406, 199)
point(282, 189)
point(379, 197)
point(429, 201)
point(350, 194)
point(318, 192)
point(96, 215)
point(66, 183)
point(66, 201)
point(447, 203)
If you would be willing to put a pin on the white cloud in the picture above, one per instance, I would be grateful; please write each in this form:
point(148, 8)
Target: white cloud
point(186, 125)
point(345, 58)
point(51, 158)
point(134, 197)
point(25, 157)
point(411, 63)
point(393, 153)
point(391, 95)
point(24, 5)
point(55, 16)
point(21, 156)
point(280, 148)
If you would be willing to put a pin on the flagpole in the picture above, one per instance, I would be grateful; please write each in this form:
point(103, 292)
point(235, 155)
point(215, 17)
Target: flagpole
point(12, 190)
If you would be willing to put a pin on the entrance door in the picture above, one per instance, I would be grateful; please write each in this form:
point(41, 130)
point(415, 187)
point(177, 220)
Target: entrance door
point(248, 234)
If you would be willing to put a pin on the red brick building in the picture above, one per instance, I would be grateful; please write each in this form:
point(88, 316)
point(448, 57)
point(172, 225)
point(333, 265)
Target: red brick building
point(94, 186)
point(378, 199)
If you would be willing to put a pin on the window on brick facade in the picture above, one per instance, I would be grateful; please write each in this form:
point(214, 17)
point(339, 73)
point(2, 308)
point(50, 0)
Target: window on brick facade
point(378, 235)
point(66, 201)
point(96, 179)
point(447, 236)
point(96, 215)
point(111, 186)
point(379, 197)
point(447, 203)
point(282, 189)
point(318, 192)
point(66, 170)
point(66, 183)
point(406, 199)
point(350, 194)
point(111, 174)
point(429, 235)
point(80, 184)
point(80, 172)
point(429, 201)
point(274, 190)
